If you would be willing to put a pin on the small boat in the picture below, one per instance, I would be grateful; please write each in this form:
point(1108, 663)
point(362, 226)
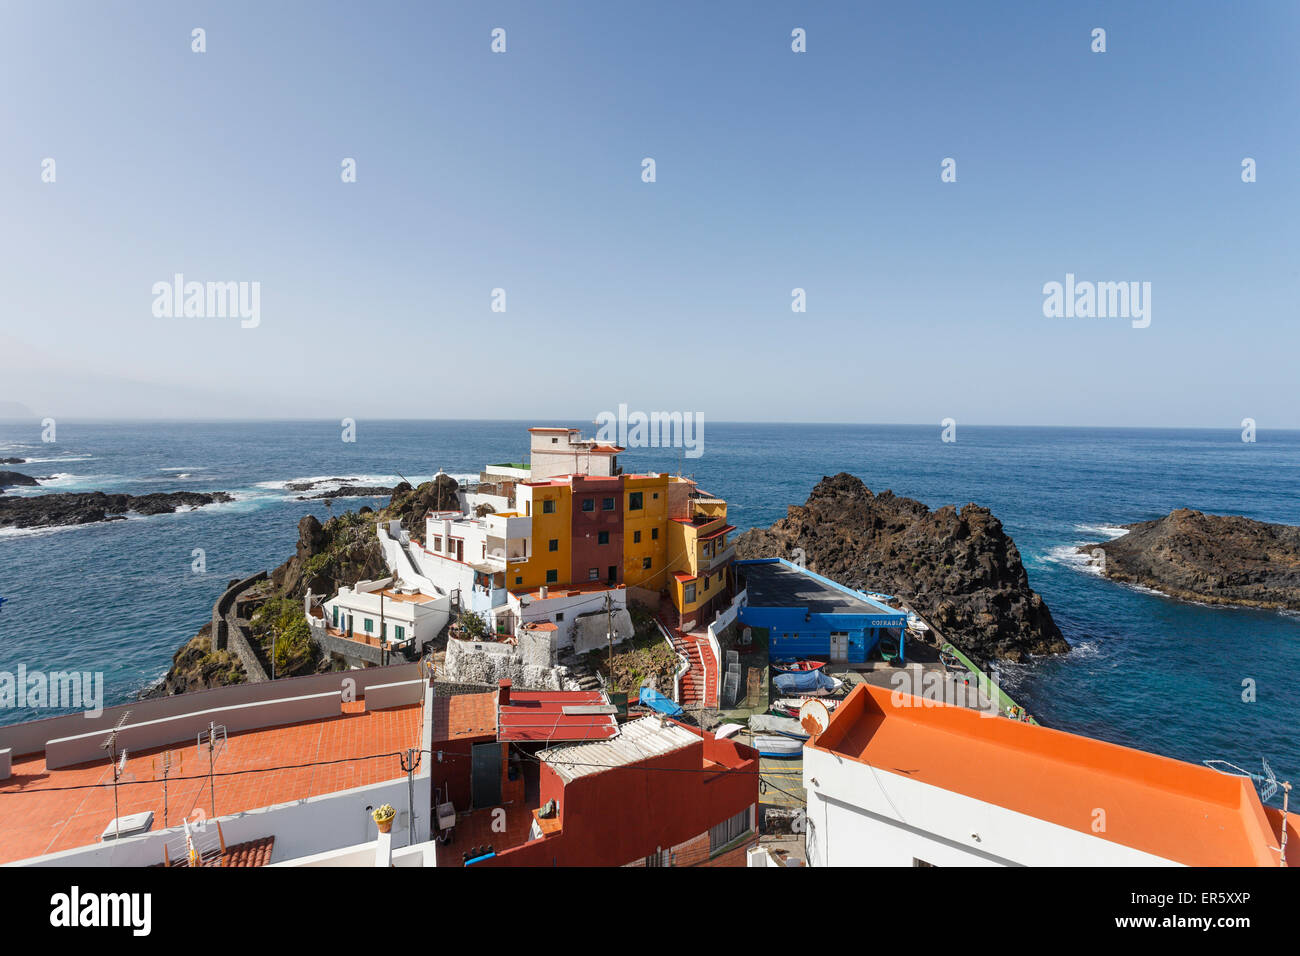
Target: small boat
point(777, 745)
point(789, 706)
point(795, 667)
point(727, 730)
point(807, 684)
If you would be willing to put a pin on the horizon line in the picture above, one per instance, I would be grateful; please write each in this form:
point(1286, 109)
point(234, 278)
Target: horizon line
point(75, 420)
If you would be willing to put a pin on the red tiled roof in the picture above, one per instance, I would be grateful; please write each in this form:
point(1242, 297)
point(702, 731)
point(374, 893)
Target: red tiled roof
point(465, 715)
point(252, 853)
point(36, 817)
point(539, 716)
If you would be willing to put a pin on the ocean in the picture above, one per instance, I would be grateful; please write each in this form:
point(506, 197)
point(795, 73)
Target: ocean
point(1166, 676)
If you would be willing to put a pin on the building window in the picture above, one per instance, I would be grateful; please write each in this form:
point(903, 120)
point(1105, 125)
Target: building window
point(555, 441)
point(552, 576)
point(645, 564)
point(706, 582)
point(588, 504)
point(336, 615)
point(370, 625)
point(559, 616)
point(636, 501)
point(553, 544)
point(518, 580)
point(688, 593)
point(548, 506)
point(593, 574)
point(399, 632)
point(728, 830)
point(654, 534)
point(602, 537)
point(607, 504)
point(655, 496)
point(437, 542)
point(636, 537)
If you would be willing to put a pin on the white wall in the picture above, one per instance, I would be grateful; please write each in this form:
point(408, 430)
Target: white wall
point(864, 816)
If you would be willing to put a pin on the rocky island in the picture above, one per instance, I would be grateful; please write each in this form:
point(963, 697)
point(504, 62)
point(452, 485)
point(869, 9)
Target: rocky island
point(1216, 559)
point(55, 510)
point(957, 568)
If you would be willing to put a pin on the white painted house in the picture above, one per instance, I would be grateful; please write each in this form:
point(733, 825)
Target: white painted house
point(898, 781)
point(387, 610)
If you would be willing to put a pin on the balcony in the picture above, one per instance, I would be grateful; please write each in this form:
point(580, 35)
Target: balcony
point(707, 564)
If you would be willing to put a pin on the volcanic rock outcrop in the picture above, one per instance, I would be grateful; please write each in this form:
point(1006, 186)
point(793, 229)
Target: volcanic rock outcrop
point(958, 569)
point(41, 511)
point(1217, 559)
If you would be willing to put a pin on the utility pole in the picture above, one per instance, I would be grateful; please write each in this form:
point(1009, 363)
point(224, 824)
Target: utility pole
point(409, 763)
point(609, 632)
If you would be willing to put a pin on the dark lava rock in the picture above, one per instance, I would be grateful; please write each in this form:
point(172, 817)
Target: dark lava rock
point(1218, 559)
point(12, 461)
point(351, 491)
point(957, 568)
point(42, 511)
point(12, 479)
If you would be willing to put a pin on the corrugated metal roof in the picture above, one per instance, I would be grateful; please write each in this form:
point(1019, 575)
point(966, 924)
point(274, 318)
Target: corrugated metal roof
point(637, 740)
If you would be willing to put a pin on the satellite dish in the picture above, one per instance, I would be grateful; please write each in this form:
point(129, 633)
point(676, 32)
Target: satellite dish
point(813, 717)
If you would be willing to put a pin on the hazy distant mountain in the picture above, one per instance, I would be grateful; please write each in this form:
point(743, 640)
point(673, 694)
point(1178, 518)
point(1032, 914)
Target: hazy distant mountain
point(16, 411)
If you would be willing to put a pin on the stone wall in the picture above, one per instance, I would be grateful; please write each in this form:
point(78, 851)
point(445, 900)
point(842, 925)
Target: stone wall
point(487, 662)
point(231, 632)
point(353, 652)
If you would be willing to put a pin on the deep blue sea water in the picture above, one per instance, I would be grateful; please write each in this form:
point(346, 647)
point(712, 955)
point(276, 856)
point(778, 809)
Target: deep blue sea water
point(1146, 671)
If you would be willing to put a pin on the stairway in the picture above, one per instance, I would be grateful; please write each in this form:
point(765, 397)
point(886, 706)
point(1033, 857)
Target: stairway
point(699, 683)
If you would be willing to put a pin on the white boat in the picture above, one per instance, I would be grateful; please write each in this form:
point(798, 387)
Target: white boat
point(777, 745)
point(727, 730)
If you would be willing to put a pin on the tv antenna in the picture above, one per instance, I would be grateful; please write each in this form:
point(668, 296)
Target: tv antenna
point(215, 736)
point(118, 763)
point(164, 762)
point(1268, 785)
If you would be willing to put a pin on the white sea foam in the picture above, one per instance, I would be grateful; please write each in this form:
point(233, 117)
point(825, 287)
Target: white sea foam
point(59, 460)
point(1108, 531)
point(1070, 556)
point(320, 484)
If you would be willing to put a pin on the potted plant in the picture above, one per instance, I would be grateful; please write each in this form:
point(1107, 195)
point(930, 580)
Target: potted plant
point(384, 817)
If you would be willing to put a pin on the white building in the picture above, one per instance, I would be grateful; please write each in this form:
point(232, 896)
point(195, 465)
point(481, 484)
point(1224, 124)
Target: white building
point(386, 611)
point(561, 451)
point(898, 781)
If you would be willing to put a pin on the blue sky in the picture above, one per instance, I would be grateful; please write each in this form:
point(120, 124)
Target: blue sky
point(775, 170)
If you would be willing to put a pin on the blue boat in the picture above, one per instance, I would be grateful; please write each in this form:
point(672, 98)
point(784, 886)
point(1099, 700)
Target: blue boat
point(657, 701)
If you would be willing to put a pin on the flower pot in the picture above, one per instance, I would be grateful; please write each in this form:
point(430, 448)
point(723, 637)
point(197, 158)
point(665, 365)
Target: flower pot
point(385, 825)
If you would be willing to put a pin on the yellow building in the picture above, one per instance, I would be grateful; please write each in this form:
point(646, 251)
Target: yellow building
point(700, 555)
point(645, 531)
point(550, 505)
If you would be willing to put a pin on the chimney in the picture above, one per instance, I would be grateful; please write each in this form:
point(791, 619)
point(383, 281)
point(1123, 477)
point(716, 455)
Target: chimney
point(503, 693)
